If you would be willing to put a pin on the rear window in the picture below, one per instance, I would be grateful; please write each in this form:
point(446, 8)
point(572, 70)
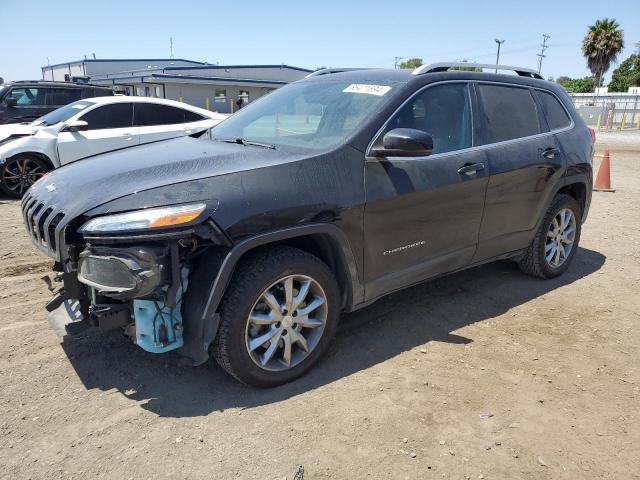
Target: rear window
point(62, 96)
point(116, 115)
point(554, 112)
point(509, 113)
point(149, 114)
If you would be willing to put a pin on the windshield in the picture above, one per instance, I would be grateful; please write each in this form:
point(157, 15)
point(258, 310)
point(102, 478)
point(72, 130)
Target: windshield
point(62, 114)
point(316, 116)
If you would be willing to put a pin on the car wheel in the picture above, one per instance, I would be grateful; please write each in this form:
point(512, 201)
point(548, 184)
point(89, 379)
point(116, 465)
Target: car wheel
point(19, 173)
point(556, 241)
point(278, 316)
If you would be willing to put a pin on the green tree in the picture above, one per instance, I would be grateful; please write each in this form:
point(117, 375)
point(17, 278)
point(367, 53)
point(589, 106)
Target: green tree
point(601, 46)
point(626, 75)
point(411, 63)
point(576, 85)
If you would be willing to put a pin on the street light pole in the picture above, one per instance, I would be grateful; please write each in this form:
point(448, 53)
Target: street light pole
point(499, 42)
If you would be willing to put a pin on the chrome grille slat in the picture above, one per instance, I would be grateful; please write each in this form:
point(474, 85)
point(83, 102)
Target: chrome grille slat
point(37, 215)
point(44, 224)
point(32, 225)
point(25, 210)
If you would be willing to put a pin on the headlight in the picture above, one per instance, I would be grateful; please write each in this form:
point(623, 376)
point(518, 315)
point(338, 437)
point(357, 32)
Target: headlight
point(145, 219)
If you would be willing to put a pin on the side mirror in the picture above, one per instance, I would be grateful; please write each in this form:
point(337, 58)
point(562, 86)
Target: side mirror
point(405, 142)
point(75, 126)
point(11, 102)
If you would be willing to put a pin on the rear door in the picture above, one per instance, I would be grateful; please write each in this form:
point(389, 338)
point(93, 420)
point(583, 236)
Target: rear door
point(59, 97)
point(110, 128)
point(525, 162)
point(159, 122)
point(423, 214)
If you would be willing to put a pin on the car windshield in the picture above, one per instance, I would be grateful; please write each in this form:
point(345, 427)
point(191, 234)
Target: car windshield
point(62, 114)
point(311, 115)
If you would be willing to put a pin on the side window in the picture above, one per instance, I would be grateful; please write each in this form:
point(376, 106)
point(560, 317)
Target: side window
point(149, 114)
point(28, 97)
point(190, 116)
point(554, 112)
point(508, 113)
point(442, 111)
point(116, 115)
point(62, 96)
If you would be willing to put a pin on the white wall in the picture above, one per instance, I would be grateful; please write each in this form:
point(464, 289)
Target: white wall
point(196, 94)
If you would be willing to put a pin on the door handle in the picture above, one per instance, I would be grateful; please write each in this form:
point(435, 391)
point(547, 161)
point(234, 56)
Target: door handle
point(471, 169)
point(127, 135)
point(549, 153)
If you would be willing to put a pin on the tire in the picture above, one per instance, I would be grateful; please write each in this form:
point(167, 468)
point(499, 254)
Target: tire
point(535, 261)
point(264, 274)
point(18, 173)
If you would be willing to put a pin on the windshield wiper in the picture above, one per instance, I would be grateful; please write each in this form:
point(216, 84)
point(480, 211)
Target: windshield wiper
point(245, 142)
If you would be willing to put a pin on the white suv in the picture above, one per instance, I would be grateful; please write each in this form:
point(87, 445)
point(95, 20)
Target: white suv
point(89, 127)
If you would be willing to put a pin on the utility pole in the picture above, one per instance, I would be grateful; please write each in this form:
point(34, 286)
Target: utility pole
point(544, 46)
point(499, 42)
point(171, 46)
point(395, 63)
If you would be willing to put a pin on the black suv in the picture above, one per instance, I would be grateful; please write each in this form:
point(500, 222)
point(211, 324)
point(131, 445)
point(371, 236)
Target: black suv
point(25, 101)
point(319, 198)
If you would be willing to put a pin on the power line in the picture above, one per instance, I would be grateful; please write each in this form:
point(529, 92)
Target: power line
point(544, 46)
point(395, 62)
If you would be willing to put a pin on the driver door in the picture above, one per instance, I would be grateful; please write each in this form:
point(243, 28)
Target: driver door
point(423, 214)
point(110, 128)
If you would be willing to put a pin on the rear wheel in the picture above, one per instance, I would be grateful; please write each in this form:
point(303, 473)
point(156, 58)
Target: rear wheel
point(19, 173)
point(556, 241)
point(278, 316)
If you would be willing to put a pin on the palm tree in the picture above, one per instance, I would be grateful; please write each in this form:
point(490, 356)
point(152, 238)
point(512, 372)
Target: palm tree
point(601, 46)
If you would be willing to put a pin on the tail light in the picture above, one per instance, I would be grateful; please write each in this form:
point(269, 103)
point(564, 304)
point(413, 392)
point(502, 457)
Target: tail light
point(593, 135)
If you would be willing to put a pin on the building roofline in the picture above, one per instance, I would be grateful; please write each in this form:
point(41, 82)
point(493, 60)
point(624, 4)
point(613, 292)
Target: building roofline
point(98, 60)
point(218, 67)
point(141, 79)
point(233, 79)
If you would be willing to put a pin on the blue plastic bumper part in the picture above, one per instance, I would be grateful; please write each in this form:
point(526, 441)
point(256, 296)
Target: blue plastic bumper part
point(159, 327)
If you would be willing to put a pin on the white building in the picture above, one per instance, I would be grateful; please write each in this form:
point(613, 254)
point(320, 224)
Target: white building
point(214, 87)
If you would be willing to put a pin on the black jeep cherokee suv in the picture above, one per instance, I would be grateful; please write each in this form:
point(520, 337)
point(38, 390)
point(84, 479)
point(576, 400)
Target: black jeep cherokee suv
point(319, 198)
point(26, 100)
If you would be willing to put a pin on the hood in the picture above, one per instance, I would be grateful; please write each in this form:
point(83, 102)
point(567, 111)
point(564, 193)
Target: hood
point(81, 186)
point(17, 129)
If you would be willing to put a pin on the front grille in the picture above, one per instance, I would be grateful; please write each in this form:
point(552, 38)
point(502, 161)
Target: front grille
point(41, 221)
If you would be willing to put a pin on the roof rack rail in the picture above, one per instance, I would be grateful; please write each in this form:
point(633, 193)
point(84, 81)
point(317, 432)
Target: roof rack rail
point(327, 71)
point(444, 66)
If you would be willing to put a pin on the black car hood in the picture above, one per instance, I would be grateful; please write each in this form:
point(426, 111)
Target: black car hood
point(89, 183)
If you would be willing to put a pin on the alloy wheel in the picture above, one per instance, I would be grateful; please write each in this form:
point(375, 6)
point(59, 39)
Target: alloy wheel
point(20, 174)
point(286, 323)
point(560, 238)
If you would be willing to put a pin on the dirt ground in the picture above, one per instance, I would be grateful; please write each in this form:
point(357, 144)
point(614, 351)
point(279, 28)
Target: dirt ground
point(484, 374)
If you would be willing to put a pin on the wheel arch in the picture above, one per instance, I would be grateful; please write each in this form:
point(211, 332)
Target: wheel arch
point(203, 298)
point(38, 155)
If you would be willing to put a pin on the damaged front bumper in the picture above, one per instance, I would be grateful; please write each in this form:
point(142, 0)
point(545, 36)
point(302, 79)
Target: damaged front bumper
point(137, 288)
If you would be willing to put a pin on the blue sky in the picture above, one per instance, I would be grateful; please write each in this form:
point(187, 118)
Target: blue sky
point(303, 33)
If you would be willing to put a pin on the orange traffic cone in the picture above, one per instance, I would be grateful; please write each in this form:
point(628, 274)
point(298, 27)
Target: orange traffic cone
point(603, 180)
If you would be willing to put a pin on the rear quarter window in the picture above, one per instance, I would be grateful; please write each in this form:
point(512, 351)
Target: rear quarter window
point(553, 111)
point(507, 113)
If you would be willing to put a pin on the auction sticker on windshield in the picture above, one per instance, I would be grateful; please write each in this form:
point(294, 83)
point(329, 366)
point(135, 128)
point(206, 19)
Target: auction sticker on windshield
point(378, 90)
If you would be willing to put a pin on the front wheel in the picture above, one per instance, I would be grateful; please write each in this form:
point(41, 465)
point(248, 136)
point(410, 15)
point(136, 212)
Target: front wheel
point(278, 316)
point(556, 241)
point(19, 173)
